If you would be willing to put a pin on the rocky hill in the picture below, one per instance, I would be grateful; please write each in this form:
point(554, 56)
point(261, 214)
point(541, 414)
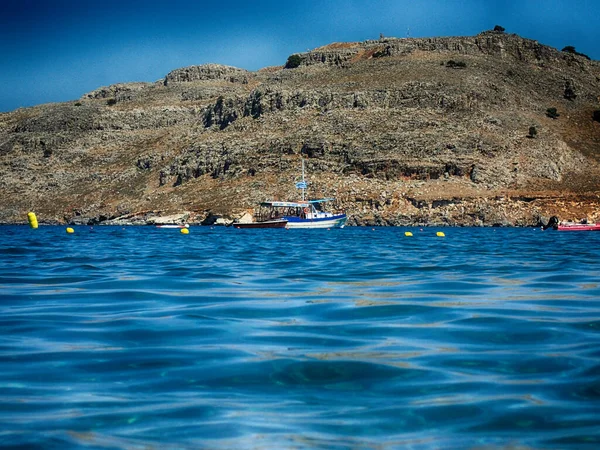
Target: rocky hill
point(457, 131)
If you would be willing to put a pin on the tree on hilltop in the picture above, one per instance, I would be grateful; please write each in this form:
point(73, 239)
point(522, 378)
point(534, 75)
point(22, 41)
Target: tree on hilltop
point(293, 61)
point(571, 49)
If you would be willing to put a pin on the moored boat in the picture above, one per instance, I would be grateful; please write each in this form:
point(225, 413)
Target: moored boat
point(572, 226)
point(300, 214)
point(554, 222)
point(308, 213)
point(170, 225)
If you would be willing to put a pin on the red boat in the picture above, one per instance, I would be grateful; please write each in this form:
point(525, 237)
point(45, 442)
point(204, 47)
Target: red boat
point(573, 226)
point(554, 223)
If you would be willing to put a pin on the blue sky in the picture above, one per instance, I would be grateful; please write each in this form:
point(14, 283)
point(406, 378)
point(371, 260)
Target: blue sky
point(58, 50)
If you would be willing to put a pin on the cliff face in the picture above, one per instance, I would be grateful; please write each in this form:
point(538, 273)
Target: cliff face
point(400, 131)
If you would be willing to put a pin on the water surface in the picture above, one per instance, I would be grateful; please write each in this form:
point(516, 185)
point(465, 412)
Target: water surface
point(140, 337)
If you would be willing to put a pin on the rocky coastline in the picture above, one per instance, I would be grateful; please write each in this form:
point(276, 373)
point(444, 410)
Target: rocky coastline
point(487, 130)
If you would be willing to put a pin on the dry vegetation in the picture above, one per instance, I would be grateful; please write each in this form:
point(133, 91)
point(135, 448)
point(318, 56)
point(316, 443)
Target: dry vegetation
point(389, 127)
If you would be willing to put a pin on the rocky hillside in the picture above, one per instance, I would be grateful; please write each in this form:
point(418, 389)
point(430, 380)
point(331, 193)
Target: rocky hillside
point(457, 131)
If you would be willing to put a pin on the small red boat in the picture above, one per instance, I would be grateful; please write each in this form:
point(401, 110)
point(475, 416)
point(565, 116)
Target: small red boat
point(573, 226)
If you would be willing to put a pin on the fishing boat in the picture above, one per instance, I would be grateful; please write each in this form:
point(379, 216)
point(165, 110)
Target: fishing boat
point(301, 214)
point(307, 213)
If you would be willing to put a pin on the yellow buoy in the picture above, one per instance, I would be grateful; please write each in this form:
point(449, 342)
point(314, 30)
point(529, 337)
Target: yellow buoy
point(407, 233)
point(70, 230)
point(440, 234)
point(184, 231)
point(33, 223)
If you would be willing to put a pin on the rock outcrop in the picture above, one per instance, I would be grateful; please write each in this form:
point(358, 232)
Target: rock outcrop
point(208, 72)
point(400, 131)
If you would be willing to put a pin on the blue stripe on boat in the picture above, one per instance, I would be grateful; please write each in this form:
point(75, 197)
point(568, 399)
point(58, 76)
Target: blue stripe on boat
point(320, 219)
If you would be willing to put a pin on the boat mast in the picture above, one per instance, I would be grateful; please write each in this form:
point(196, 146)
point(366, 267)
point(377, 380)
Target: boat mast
point(302, 184)
point(303, 181)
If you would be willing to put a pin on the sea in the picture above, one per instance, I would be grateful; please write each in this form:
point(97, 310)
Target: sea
point(357, 338)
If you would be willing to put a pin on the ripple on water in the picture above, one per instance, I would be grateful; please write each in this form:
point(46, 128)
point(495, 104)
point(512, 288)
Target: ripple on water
point(137, 337)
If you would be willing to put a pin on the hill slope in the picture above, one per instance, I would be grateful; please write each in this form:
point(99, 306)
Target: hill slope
point(400, 131)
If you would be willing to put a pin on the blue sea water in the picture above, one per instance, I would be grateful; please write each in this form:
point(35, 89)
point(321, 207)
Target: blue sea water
point(147, 338)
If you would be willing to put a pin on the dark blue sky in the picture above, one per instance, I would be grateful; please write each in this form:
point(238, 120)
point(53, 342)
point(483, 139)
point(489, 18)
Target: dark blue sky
point(54, 51)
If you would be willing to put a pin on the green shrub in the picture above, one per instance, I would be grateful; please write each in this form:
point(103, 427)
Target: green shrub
point(111, 102)
point(499, 29)
point(552, 113)
point(569, 93)
point(596, 115)
point(532, 132)
point(456, 64)
point(571, 49)
point(293, 61)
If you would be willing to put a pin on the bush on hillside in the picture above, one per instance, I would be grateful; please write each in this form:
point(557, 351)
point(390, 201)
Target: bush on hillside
point(552, 113)
point(596, 115)
point(381, 53)
point(456, 64)
point(499, 29)
point(293, 61)
point(532, 132)
point(571, 49)
point(569, 93)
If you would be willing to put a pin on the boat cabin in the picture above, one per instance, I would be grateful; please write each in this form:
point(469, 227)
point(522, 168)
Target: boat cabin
point(308, 209)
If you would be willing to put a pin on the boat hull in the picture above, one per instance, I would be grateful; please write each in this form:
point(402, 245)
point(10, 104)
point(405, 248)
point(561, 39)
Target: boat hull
point(172, 226)
point(263, 224)
point(579, 227)
point(338, 221)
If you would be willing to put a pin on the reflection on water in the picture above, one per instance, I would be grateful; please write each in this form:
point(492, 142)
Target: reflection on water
point(355, 338)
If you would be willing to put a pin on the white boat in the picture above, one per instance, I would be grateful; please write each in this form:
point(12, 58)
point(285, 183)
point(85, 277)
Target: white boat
point(170, 225)
point(306, 213)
